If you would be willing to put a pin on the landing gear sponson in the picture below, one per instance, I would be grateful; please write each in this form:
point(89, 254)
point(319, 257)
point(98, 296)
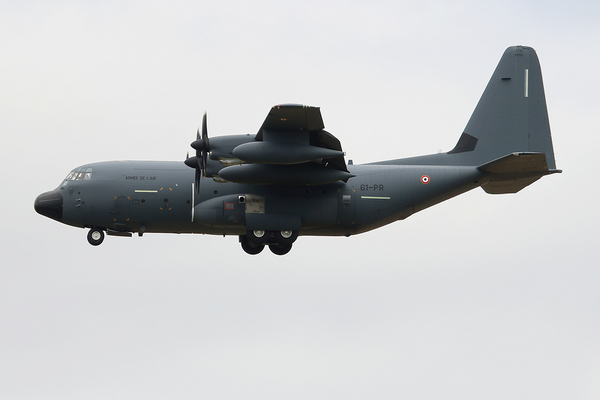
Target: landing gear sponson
point(279, 242)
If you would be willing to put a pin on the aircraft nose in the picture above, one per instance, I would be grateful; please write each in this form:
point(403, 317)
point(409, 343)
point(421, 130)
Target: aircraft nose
point(50, 204)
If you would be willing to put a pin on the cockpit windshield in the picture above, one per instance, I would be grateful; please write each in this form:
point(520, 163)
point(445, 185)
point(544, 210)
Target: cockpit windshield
point(80, 174)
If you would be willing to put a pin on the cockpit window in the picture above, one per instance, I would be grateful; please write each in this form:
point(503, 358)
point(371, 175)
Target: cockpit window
point(80, 174)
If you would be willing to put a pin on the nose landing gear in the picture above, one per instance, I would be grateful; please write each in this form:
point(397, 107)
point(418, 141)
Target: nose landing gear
point(95, 236)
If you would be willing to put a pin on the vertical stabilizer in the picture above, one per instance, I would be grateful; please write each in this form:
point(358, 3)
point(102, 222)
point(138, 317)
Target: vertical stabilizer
point(511, 116)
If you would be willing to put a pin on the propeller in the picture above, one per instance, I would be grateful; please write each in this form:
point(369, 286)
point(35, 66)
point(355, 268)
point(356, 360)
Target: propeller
point(199, 161)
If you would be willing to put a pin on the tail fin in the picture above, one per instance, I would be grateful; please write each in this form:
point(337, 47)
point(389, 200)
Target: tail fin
point(511, 118)
point(508, 135)
point(511, 115)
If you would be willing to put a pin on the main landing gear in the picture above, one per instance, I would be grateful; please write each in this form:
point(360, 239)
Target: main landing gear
point(250, 247)
point(279, 242)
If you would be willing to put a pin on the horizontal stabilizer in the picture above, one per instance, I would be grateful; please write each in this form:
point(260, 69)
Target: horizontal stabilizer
point(513, 172)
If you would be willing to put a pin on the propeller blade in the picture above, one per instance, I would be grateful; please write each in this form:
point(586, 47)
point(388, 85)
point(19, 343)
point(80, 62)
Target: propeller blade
point(205, 145)
point(204, 132)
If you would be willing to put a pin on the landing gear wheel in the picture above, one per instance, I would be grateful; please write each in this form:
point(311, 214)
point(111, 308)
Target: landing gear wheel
point(250, 247)
point(257, 236)
point(95, 236)
point(285, 237)
point(280, 249)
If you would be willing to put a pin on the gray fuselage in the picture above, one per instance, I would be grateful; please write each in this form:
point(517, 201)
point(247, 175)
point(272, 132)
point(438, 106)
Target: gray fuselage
point(155, 196)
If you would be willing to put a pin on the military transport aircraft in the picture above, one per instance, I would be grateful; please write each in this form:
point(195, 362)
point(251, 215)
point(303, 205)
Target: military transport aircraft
point(291, 178)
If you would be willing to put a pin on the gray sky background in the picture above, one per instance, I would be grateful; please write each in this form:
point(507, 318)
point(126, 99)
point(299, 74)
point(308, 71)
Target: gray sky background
point(480, 297)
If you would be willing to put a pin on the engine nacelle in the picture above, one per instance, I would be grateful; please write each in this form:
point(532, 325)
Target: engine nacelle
point(221, 147)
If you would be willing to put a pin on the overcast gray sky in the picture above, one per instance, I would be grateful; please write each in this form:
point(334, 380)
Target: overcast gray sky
point(480, 297)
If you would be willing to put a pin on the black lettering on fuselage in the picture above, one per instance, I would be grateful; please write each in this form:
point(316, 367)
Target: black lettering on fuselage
point(376, 188)
point(140, 178)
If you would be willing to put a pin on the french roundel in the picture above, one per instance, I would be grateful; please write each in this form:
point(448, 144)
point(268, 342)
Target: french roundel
point(425, 179)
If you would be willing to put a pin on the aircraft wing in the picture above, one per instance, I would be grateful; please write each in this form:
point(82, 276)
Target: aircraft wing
point(291, 147)
point(292, 118)
point(294, 121)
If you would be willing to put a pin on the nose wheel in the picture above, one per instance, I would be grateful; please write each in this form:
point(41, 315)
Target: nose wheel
point(95, 236)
